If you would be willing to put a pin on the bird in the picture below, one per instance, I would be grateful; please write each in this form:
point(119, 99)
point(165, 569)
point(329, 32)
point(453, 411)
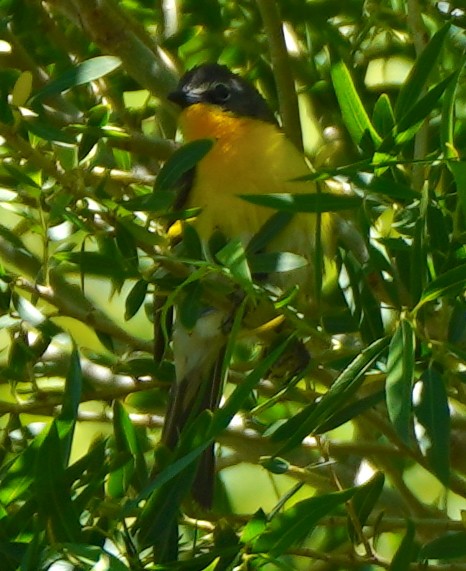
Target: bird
point(250, 155)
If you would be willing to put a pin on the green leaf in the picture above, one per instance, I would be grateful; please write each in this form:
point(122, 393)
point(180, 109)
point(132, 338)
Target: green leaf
point(127, 247)
point(447, 546)
point(233, 256)
point(346, 413)
point(458, 170)
point(225, 414)
point(134, 470)
point(191, 308)
point(182, 161)
point(20, 176)
point(408, 125)
point(383, 116)
point(73, 388)
point(84, 72)
point(151, 202)
point(312, 202)
point(451, 282)
point(447, 126)
point(400, 376)
point(354, 114)
point(292, 526)
point(97, 117)
point(392, 189)
point(269, 230)
point(95, 263)
point(71, 400)
point(254, 527)
point(364, 501)
point(32, 559)
point(135, 298)
point(406, 550)
point(47, 132)
point(314, 416)
point(17, 481)
point(433, 413)
point(417, 79)
point(52, 492)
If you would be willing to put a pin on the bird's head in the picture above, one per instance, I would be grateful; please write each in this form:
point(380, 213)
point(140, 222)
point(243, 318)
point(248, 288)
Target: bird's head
point(215, 84)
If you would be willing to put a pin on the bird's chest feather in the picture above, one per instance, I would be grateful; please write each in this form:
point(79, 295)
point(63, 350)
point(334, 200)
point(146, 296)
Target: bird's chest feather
point(248, 157)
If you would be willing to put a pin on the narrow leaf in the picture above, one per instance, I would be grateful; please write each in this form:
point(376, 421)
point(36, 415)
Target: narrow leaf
point(312, 202)
point(224, 415)
point(458, 170)
point(383, 116)
point(447, 125)
point(447, 546)
point(354, 114)
point(364, 501)
point(84, 72)
point(315, 415)
point(293, 525)
point(408, 125)
point(400, 375)
point(53, 494)
point(405, 553)
point(182, 161)
point(417, 79)
point(451, 282)
point(233, 256)
point(71, 400)
point(433, 413)
point(135, 298)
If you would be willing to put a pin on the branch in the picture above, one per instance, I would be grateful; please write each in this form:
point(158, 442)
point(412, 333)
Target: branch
point(70, 301)
point(287, 97)
point(420, 40)
point(115, 33)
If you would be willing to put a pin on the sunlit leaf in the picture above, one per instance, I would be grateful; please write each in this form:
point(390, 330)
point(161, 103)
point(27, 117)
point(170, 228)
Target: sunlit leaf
point(314, 416)
point(383, 117)
point(400, 376)
point(354, 114)
point(82, 73)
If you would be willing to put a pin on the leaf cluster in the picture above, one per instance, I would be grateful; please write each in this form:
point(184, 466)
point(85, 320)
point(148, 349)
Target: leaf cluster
point(355, 456)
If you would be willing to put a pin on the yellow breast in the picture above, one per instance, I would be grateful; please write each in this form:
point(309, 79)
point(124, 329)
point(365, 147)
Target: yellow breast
point(249, 157)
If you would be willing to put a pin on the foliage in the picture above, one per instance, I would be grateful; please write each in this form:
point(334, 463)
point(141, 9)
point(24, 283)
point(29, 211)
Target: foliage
point(86, 233)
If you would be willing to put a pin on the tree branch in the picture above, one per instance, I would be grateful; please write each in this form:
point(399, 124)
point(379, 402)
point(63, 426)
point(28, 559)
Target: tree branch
point(287, 97)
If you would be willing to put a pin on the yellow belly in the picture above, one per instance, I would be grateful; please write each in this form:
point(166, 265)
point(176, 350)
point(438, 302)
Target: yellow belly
point(249, 157)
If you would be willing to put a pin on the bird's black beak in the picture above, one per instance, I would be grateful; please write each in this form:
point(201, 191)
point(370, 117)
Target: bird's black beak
point(180, 97)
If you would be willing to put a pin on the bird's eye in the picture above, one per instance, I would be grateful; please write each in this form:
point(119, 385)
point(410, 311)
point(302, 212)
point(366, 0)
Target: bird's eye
point(221, 93)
